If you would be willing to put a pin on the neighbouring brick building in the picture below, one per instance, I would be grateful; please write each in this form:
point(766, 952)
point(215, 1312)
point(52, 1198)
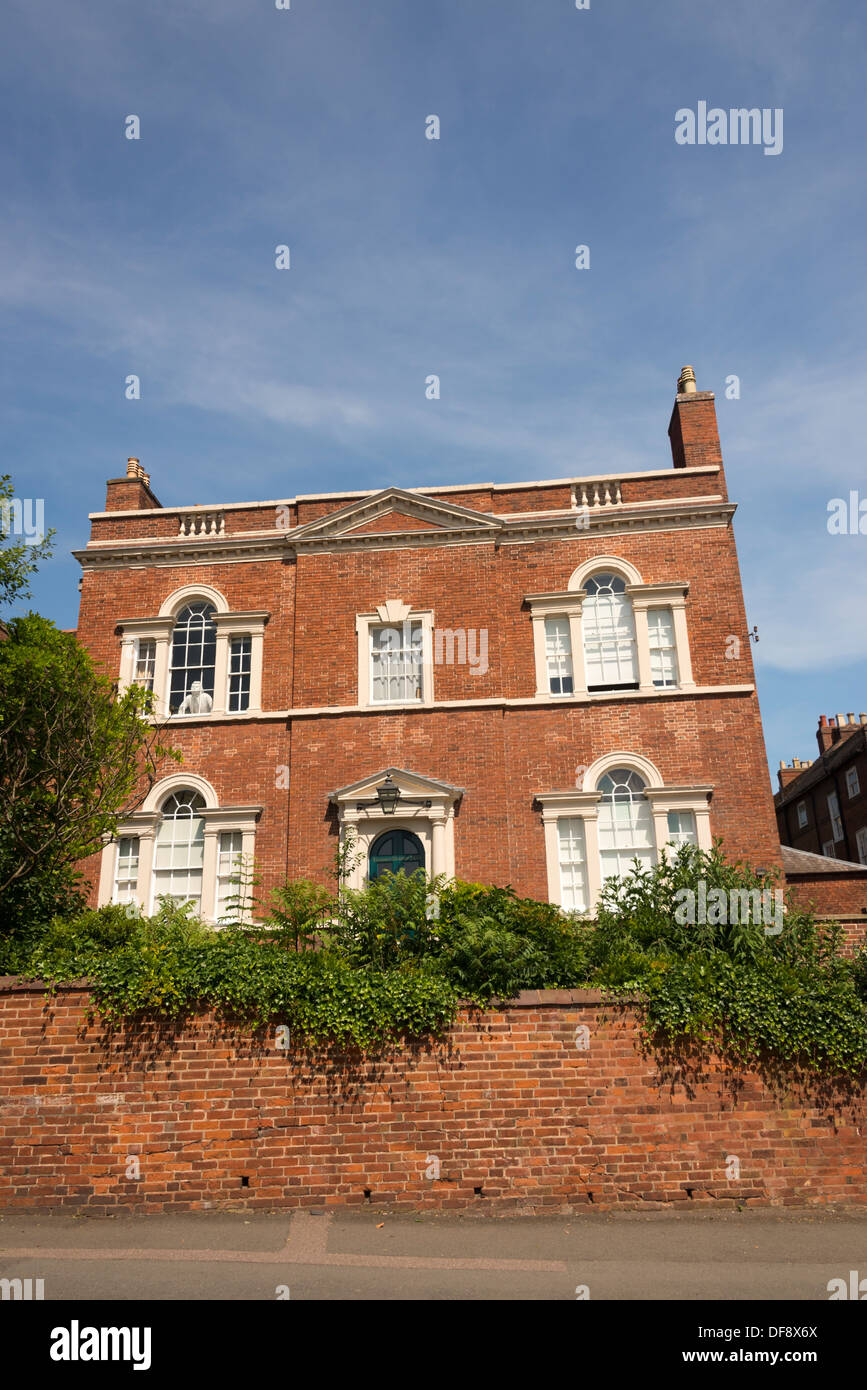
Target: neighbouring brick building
point(822, 805)
point(555, 675)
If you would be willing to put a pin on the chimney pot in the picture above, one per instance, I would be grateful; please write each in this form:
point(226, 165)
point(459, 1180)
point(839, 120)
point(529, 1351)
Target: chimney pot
point(686, 383)
point(863, 718)
point(133, 468)
point(850, 719)
point(841, 720)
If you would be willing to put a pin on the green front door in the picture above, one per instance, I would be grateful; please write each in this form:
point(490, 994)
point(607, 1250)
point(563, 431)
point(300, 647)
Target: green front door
point(396, 852)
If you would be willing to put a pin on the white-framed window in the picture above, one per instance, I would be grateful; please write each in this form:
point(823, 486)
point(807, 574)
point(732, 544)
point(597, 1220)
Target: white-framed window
point(663, 648)
point(229, 862)
point(834, 814)
point(240, 663)
point(179, 850)
point(801, 810)
point(181, 844)
point(828, 849)
point(145, 662)
point(397, 663)
point(681, 828)
point(185, 655)
point(853, 786)
point(609, 634)
point(558, 656)
point(126, 870)
point(622, 811)
point(194, 654)
point(861, 844)
point(573, 863)
point(626, 831)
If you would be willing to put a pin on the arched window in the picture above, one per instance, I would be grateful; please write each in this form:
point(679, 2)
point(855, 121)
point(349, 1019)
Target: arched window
point(194, 654)
point(396, 852)
point(179, 849)
point(609, 634)
point(625, 823)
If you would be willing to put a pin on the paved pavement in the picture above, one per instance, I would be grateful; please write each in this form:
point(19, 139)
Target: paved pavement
point(725, 1255)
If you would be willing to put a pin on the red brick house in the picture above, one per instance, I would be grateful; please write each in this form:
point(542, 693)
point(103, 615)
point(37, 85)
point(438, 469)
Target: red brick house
point(554, 675)
point(822, 805)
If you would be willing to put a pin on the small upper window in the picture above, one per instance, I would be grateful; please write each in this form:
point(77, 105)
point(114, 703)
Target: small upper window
point(861, 844)
point(146, 662)
point(396, 664)
point(802, 814)
point(663, 653)
point(194, 655)
point(609, 634)
point(681, 828)
point(853, 786)
point(834, 814)
point(240, 655)
point(558, 656)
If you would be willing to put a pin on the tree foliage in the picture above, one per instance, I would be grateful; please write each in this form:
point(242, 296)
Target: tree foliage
point(74, 756)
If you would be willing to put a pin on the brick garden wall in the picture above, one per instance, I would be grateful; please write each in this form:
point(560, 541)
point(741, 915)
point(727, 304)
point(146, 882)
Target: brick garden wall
point(516, 1114)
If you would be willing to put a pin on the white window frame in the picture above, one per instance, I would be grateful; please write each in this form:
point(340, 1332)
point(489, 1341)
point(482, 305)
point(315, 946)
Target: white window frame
point(801, 812)
point(660, 651)
point(584, 803)
point(853, 783)
point(836, 820)
point(160, 629)
point(394, 613)
point(828, 849)
point(131, 887)
point(227, 872)
point(861, 844)
point(145, 824)
point(560, 665)
point(569, 604)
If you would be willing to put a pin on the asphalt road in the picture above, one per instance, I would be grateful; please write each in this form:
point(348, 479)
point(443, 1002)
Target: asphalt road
point(373, 1255)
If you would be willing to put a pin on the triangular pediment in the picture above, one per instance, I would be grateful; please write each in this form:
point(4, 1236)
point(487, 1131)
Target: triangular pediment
point(392, 521)
point(414, 784)
point(394, 511)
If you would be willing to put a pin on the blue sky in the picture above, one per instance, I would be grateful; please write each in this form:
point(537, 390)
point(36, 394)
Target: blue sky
point(410, 256)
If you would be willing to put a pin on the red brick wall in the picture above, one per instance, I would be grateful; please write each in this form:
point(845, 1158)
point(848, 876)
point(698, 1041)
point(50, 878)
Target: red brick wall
point(831, 894)
point(508, 1105)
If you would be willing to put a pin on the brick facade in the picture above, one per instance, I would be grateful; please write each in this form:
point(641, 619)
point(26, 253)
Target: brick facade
point(516, 1115)
point(468, 557)
point(840, 771)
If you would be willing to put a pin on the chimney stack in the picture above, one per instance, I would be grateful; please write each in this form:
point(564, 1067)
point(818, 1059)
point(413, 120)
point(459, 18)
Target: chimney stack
point(833, 728)
point(692, 430)
point(131, 493)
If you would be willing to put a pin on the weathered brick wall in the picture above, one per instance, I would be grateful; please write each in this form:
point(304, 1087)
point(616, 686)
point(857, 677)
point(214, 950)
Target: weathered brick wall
point(831, 894)
point(514, 1113)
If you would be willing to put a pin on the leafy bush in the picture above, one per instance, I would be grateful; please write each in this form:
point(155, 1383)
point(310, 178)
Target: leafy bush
point(395, 958)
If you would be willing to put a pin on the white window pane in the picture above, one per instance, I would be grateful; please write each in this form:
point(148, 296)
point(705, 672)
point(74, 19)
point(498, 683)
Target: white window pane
point(681, 828)
point(609, 640)
point(573, 864)
point(861, 844)
point(625, 824)
point(396, 663)
point(558, 655)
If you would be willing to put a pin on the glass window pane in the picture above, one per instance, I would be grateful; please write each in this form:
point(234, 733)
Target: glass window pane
point(663, 655)
point(625, 824)
point(573, 864)
point(609, 633)
point(396, 656)
point(194, 650)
